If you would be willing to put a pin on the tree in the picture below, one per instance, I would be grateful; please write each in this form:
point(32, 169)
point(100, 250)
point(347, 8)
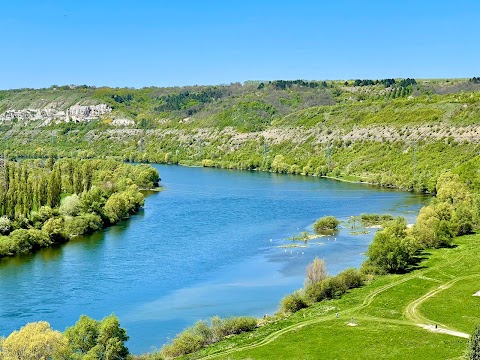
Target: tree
point(392, 249)
point(99, 340)
point(326, 223)
point(474, 345)
point(70, 205)
point(316, 272)
point(83, 335)
point(35, 341)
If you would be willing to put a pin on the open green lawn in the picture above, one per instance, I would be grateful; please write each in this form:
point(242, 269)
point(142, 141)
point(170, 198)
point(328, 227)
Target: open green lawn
point(369, 340)
point(387, 312)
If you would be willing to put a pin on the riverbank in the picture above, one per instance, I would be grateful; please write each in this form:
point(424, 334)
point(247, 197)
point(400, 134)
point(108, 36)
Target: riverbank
point(405, 307)
point(56, 201)
point(207, 233)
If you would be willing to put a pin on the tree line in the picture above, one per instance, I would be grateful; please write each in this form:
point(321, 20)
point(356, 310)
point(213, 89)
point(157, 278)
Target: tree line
point(455, 211)
point(385, 82)
point(48, 202)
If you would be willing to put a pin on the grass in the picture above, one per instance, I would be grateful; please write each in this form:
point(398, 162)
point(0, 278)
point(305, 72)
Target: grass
point(387, 313)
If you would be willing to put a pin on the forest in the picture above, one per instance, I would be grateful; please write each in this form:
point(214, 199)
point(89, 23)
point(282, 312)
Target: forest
point(48, 201)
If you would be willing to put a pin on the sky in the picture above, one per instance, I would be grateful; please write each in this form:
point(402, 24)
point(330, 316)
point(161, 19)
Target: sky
point(199, 42)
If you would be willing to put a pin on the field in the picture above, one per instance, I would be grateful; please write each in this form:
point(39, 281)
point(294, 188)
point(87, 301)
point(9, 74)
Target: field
point(426, 314)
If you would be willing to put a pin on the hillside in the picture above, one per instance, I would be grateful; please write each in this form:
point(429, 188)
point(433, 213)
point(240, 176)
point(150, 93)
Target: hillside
point(394, 316)
point(414, 128)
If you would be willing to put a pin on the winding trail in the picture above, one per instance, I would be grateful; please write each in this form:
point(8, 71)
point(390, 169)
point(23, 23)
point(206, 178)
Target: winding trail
point(411, 311)
point(412, 315)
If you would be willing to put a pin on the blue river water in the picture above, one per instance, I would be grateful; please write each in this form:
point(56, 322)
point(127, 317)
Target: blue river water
point(209, 244)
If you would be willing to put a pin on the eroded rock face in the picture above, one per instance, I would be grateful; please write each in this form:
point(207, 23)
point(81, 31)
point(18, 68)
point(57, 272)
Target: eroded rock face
point(76, 113)
point(86, 113)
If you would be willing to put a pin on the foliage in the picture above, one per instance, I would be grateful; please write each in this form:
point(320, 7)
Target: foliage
point(474, 345)
point(35, 341)
point(70, 205)
point(5, 225)
point(37, 196)
point(374, 219)
point(102, 340)
point(326, 223)
point(202, 334)
point(392, 249)
point(333, 286)
point(292, 303)
point(316, 272)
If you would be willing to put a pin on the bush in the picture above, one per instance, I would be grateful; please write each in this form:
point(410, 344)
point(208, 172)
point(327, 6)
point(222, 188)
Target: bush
point(293, 303)
point(201, 334)
point(352, 278)
point(316, 272)
point(22, 241)
point(236, 325)
point(71, 205)
point(42, 215)
point(55, 228)
point(5, 225)
point(474, 345)
point(334, 286)
point(392, 249)
point(326, 223)
point(35, 341)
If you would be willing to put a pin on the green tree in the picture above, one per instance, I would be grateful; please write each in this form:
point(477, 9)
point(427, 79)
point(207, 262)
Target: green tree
point(99, 340)
point(35, 341)
point(326, 223)
point(474, 345)
point(392, 249)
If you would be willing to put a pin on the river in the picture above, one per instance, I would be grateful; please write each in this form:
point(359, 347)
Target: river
point(207, 245)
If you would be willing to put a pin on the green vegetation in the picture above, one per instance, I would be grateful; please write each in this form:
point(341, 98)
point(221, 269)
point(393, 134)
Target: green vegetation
point(47, 203)
point(326, 223)
point(474, 348)
point(416, 128)
point(382, 319)
point(368, 220)
point(404, 133)
point(396, 248)
point(91, 339)
point(87, 339)
point(203, 334)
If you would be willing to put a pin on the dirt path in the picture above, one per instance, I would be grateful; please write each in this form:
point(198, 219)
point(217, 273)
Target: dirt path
point(275, 335)
point(412, 313)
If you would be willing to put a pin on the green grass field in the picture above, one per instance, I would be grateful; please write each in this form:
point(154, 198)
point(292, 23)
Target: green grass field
point(388, 314)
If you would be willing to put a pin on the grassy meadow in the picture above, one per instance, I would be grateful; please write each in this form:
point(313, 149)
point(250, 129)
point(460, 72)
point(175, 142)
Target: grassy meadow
point(381, 320)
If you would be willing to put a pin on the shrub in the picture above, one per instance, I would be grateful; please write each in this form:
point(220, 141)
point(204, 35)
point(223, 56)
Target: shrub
point(316, 272)
point(237, 325)
point(42, 215)
point(293, 303)
point(474, 345)
point(326, 223)
point(35, 341)
point(201, 334)
point(5, 225)
point(55, 228)
point(71, 205)
point(334, 286)
point(352, 278)
point(392, 249)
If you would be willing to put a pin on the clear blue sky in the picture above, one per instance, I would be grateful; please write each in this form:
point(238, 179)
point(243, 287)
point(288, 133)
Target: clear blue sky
point(164, 43)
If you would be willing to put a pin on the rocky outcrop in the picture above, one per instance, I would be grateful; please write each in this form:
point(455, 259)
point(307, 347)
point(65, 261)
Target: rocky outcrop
point(123, 122)
point(86, 113)
point(75, 113)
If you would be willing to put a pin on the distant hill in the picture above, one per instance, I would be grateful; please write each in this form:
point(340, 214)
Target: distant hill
point(394, 132)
